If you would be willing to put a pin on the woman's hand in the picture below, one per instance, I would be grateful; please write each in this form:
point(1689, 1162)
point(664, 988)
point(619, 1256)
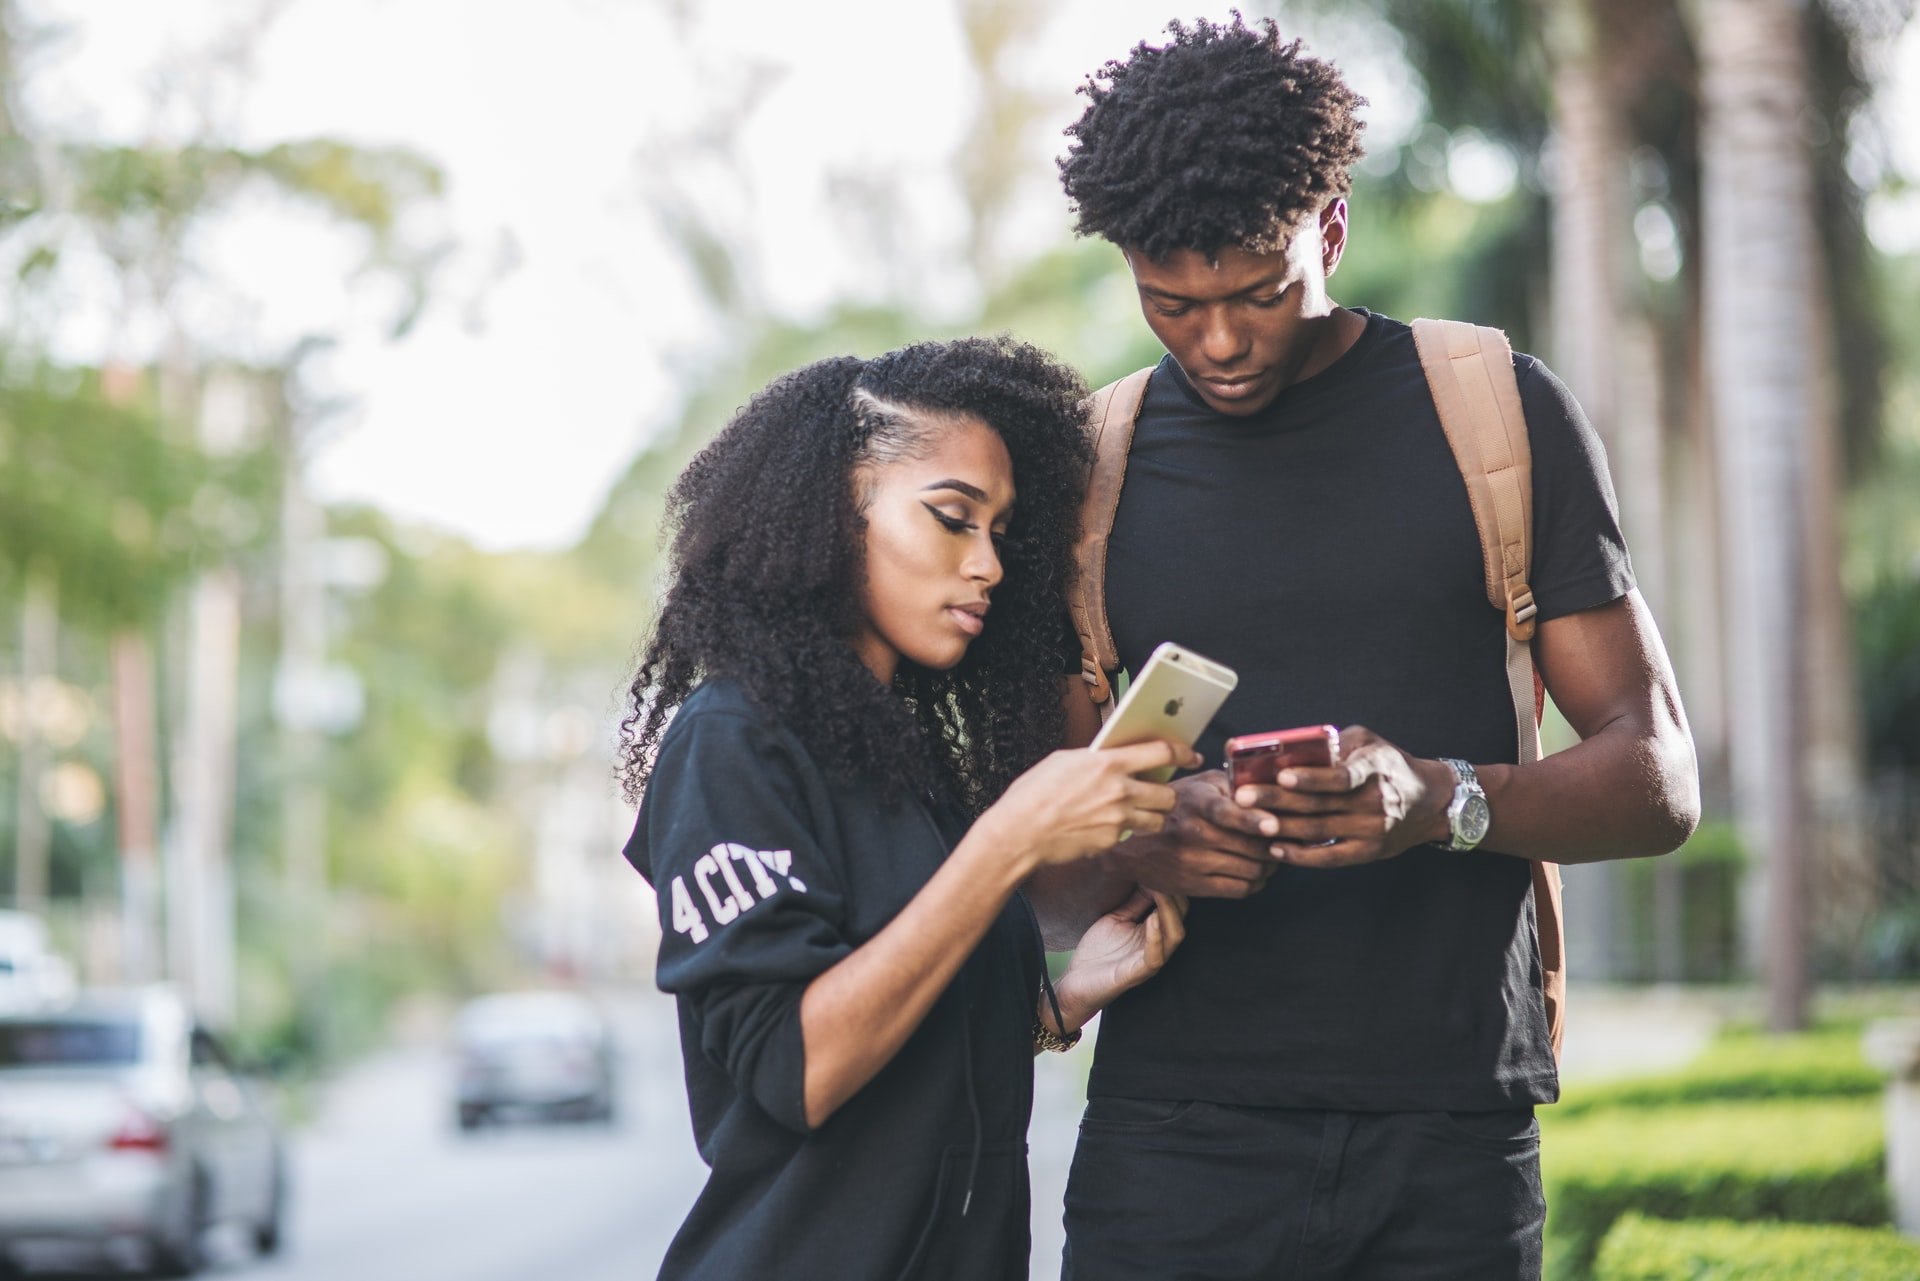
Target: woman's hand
point(1121, 950)
point(1077, 803)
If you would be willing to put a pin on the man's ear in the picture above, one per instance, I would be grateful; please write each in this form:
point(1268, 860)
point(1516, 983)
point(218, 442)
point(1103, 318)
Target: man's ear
point(1333, 235)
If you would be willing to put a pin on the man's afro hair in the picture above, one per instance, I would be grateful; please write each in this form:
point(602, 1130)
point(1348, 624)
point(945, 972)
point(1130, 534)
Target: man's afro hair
point(1224, 137)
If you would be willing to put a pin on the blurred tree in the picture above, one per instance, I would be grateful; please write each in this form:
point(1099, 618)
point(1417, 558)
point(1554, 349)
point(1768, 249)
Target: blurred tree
point(1604, 104)
point(1766, 358)
point(139, 208)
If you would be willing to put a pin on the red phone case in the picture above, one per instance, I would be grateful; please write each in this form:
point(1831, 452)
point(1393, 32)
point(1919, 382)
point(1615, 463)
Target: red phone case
point(1259, 758)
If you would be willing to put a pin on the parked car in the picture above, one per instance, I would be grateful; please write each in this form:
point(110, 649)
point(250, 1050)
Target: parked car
point(540, 1055)
point(121, 1121)
point(31, 973)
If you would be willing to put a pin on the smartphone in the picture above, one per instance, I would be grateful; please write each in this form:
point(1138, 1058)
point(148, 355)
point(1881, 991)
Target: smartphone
point(1174, 697)
point(1259, 758)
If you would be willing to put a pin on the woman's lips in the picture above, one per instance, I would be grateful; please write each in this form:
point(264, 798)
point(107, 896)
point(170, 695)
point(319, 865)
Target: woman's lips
point(967, 620)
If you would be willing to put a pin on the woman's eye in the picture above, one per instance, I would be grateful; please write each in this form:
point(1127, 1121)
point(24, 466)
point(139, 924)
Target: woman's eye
point(1008, 545)
point(952, 524)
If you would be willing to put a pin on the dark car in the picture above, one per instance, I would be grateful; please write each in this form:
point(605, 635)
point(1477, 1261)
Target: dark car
point(533, 1055)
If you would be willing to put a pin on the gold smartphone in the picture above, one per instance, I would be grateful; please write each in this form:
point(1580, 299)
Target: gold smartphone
point(1174, 697)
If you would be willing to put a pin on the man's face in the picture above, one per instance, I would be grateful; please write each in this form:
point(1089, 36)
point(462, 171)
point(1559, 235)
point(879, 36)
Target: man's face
point(1241, 325)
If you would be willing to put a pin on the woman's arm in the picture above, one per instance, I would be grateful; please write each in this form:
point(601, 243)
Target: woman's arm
point(856, 1015)
point(1121, 950)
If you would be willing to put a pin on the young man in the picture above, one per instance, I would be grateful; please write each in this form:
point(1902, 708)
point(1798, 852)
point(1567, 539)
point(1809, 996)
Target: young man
point(1336, 1077)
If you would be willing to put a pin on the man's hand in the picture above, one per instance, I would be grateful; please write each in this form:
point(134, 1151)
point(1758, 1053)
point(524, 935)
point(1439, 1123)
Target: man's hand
point(1377, 802)
point(1210, 847)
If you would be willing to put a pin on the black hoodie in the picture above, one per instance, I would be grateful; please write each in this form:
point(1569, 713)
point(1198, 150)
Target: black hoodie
point(767, 873)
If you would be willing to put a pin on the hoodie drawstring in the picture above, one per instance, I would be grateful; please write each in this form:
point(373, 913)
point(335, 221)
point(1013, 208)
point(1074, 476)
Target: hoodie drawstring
point(966, 1042)
point(973, 1096)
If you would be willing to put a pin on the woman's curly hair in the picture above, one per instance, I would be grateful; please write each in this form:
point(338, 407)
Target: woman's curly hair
point(1224, 137)
point(767, 572)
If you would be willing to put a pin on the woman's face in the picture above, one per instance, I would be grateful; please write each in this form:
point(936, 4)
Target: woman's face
point(932, 560)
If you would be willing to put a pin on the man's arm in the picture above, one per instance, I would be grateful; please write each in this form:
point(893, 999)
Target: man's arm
point(1210, 848)
point(1630, 787)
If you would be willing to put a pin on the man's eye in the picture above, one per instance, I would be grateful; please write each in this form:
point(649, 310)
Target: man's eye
point(1170, 311)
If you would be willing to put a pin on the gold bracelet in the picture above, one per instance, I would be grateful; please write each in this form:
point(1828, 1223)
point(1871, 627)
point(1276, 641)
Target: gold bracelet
point(1045, 1038)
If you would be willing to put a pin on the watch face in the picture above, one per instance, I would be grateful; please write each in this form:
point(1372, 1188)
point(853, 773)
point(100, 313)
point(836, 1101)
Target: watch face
point(1471, 824)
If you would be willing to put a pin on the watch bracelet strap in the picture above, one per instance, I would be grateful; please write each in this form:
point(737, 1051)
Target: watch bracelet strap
point(1463, 777)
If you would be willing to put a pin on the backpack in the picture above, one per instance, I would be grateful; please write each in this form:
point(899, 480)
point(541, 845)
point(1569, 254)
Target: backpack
point(1469, 371)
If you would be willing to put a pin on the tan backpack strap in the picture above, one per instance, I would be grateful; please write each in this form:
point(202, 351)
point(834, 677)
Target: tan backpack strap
point(1469, 371)
point(1110, 417)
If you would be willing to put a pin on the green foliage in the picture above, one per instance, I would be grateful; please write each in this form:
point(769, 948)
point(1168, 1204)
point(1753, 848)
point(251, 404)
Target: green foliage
point(367, 186)
point(1440, 255)
point(1886, 612)
point(1743, 1065)
point(1818, 1161)
point(1640, 1249)
point(109, 502)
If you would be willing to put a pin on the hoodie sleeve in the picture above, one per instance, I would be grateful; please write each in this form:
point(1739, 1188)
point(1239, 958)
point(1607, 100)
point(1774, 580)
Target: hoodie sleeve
point(751, 904)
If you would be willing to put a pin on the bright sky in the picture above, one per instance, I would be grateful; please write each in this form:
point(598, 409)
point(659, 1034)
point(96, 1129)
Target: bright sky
point(565, 321)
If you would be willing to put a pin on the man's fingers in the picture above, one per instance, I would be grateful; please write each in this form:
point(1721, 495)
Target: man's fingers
point(1268, 799)
point(1346, 776)
point(1197, 834)
point(1337, 854)
point(1216, 862)
point(1232, 814)
point(1317, 829)
point(1228, 887)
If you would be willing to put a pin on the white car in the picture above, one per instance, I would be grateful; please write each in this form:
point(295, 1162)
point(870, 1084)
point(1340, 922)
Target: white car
point(123, 1124)
point(31, 973)
point(533, 1054)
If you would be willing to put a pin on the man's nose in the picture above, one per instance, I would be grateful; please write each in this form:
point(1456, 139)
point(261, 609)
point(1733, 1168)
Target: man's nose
point(1222, 342)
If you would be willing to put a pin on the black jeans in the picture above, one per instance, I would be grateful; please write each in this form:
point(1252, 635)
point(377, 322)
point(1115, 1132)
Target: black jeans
point(1189, 1191)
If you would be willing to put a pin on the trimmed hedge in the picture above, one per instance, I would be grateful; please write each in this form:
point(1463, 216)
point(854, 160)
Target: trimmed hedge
point(1827, 1063)
point(1639, 1249)
point(1817, 1161)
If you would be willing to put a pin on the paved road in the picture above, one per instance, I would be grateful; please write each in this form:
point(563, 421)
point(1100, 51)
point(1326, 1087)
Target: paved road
point(387, 1190)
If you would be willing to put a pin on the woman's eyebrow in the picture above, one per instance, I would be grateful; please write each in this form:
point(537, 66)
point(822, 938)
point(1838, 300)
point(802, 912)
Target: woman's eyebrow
point(974, 492)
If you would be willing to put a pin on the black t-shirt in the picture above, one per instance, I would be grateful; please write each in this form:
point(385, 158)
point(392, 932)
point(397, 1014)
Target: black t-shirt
point(768, 873)
point(1326, 550)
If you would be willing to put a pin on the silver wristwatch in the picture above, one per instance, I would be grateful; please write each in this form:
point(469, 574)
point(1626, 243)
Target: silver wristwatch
point(1468, 817)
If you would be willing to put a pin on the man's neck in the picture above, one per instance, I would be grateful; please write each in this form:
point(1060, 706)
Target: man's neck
point(1334, 335)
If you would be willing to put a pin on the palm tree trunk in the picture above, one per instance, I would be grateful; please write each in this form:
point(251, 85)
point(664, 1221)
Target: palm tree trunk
point(1762, 361)
point(33, 832)
point(1606, 348)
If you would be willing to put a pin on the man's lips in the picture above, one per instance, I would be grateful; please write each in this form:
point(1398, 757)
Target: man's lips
point(1229, 388)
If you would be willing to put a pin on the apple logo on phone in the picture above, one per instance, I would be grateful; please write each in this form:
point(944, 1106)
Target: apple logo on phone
point(1173, 707)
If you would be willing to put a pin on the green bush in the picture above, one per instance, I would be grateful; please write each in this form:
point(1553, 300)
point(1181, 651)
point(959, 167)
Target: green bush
point(1639, 1249)
point(1826, 1063)
point(1813, 1161)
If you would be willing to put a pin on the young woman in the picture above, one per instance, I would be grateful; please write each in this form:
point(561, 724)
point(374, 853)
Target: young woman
point(839, 735)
